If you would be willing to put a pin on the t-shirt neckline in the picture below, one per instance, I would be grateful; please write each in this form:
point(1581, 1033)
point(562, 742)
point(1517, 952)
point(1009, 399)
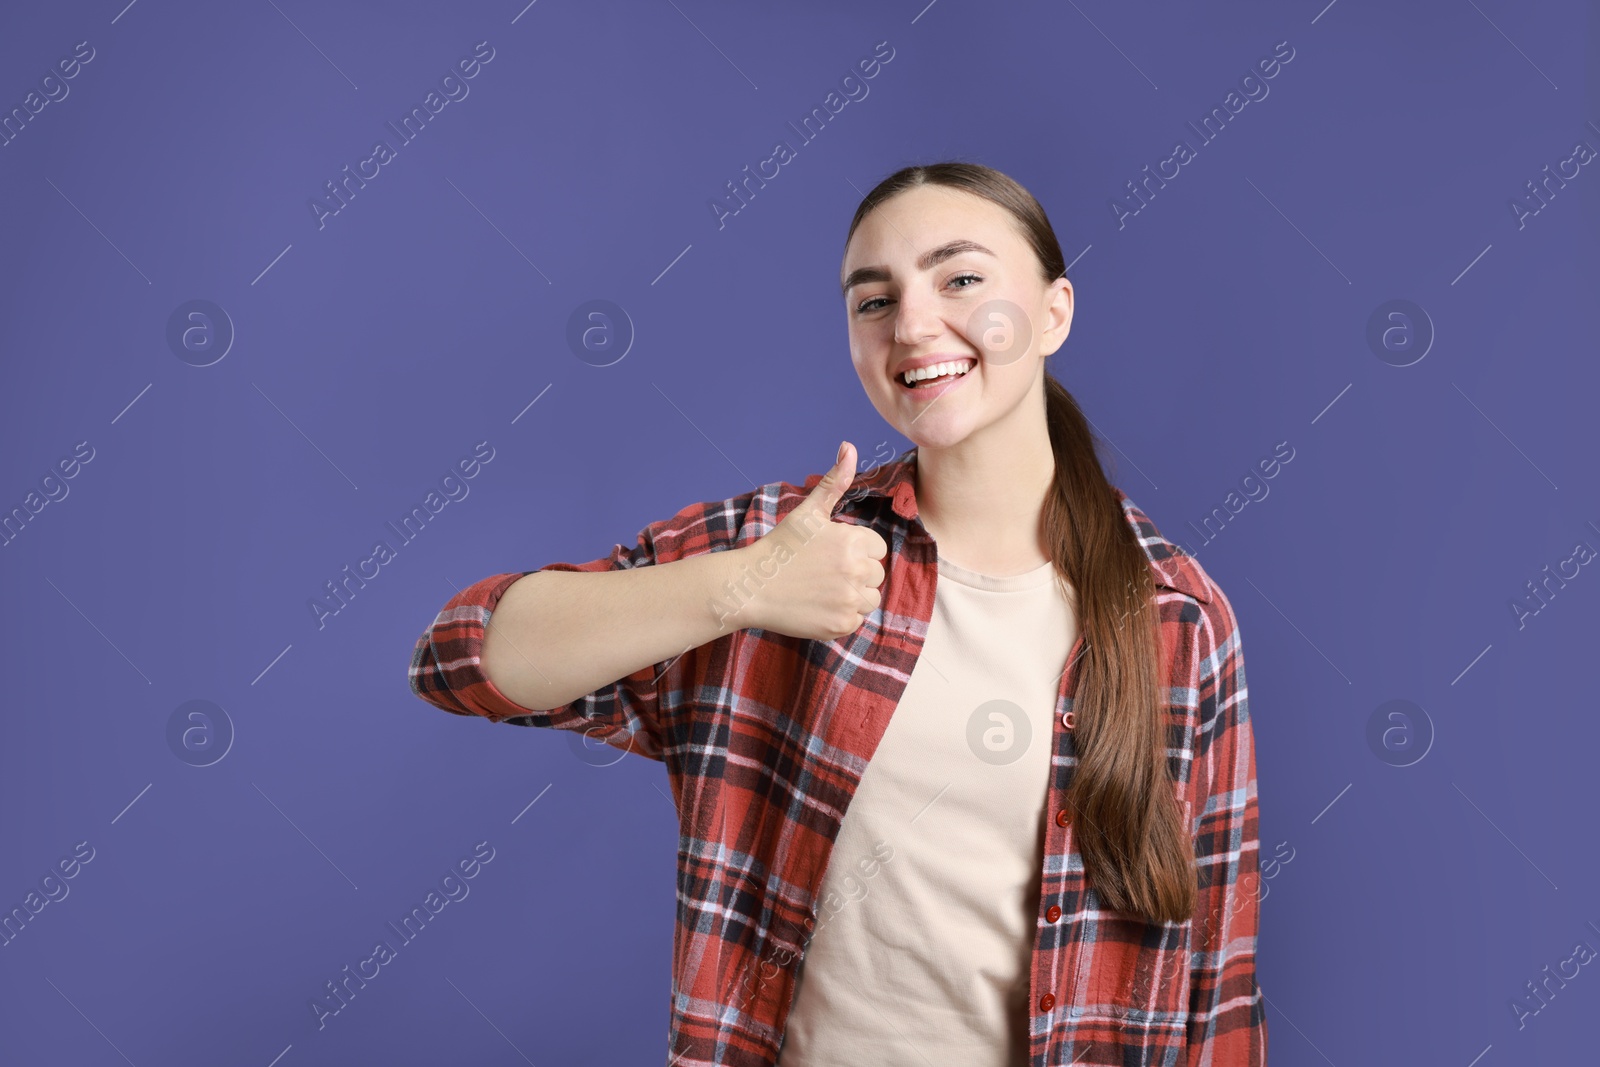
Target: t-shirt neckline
point(1030, 579)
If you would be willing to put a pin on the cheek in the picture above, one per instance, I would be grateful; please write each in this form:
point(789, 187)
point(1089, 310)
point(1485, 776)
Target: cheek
point(1007, 388)
point(857, 348)
point(866, 353)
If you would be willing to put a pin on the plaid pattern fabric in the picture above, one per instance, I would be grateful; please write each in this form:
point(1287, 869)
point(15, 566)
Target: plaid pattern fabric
point(765, 738)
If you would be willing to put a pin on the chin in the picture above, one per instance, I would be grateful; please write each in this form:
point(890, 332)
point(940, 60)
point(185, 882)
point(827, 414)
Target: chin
point(935, 431)
point(936, 440)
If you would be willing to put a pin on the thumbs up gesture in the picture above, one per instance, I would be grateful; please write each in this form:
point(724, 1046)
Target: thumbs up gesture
point(817, 579)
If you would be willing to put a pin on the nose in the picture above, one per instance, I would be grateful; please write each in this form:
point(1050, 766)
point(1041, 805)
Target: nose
point(916, 320)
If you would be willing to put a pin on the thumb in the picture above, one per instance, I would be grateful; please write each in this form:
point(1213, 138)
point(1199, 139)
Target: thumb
point(832, 487)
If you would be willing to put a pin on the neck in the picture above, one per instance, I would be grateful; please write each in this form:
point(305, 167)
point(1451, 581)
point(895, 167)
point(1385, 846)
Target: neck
point(981, 500)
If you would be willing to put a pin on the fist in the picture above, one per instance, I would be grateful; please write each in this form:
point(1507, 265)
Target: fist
point(818, 579)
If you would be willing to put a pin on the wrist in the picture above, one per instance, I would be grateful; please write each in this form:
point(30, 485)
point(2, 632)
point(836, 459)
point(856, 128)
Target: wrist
point(732, 597)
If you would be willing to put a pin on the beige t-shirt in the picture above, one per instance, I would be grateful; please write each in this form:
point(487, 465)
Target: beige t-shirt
point(928, 912)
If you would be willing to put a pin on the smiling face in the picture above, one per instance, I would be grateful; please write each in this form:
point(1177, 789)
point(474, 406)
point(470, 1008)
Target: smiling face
point(936, 276)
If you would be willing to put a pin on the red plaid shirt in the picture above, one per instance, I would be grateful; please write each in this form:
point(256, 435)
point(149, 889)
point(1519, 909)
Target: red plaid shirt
point(765, 738)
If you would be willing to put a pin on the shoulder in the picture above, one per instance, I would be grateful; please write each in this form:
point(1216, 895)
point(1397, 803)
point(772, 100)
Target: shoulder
point(1176, 568)
point(1219, 643)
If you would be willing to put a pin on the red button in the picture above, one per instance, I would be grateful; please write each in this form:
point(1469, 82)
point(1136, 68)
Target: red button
point(1047, 1002)
point(1066, 720)
point(1052, 914)
point(1062, 817)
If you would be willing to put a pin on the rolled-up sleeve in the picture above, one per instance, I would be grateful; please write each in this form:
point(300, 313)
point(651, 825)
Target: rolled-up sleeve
point(446, 664)
point(1227, 1021)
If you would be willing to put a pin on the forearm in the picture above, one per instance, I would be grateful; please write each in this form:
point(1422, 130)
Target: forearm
point(555, 636)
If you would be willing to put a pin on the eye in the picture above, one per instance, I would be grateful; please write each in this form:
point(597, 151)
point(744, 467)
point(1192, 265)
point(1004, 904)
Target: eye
point(867, 305)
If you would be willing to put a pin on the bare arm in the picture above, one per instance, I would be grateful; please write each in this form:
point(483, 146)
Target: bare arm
point(575, 646)
point(558, 635)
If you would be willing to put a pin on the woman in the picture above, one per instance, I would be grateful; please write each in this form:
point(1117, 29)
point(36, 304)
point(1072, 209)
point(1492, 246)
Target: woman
point(960, 746)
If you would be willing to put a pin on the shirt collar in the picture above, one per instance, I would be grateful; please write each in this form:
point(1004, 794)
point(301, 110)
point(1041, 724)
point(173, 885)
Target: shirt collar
point(895, 481)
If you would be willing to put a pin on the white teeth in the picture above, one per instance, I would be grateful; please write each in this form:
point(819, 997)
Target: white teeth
point(956, 367)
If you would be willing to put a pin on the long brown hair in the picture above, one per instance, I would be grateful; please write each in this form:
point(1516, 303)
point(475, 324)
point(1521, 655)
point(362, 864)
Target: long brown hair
point(1130, 829)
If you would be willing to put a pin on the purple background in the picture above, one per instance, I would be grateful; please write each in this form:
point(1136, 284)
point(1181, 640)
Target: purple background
point(372, 352)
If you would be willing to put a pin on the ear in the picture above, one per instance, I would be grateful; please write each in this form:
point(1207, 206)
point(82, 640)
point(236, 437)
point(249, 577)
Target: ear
point(1058, 316)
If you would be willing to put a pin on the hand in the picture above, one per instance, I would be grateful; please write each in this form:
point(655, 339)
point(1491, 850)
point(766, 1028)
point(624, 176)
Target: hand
point(815, 578)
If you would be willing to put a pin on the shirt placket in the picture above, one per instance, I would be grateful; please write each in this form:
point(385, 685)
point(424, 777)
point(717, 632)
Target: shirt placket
point(1059, 934)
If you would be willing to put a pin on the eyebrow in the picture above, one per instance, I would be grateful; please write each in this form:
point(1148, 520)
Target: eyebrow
point(927, 261)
